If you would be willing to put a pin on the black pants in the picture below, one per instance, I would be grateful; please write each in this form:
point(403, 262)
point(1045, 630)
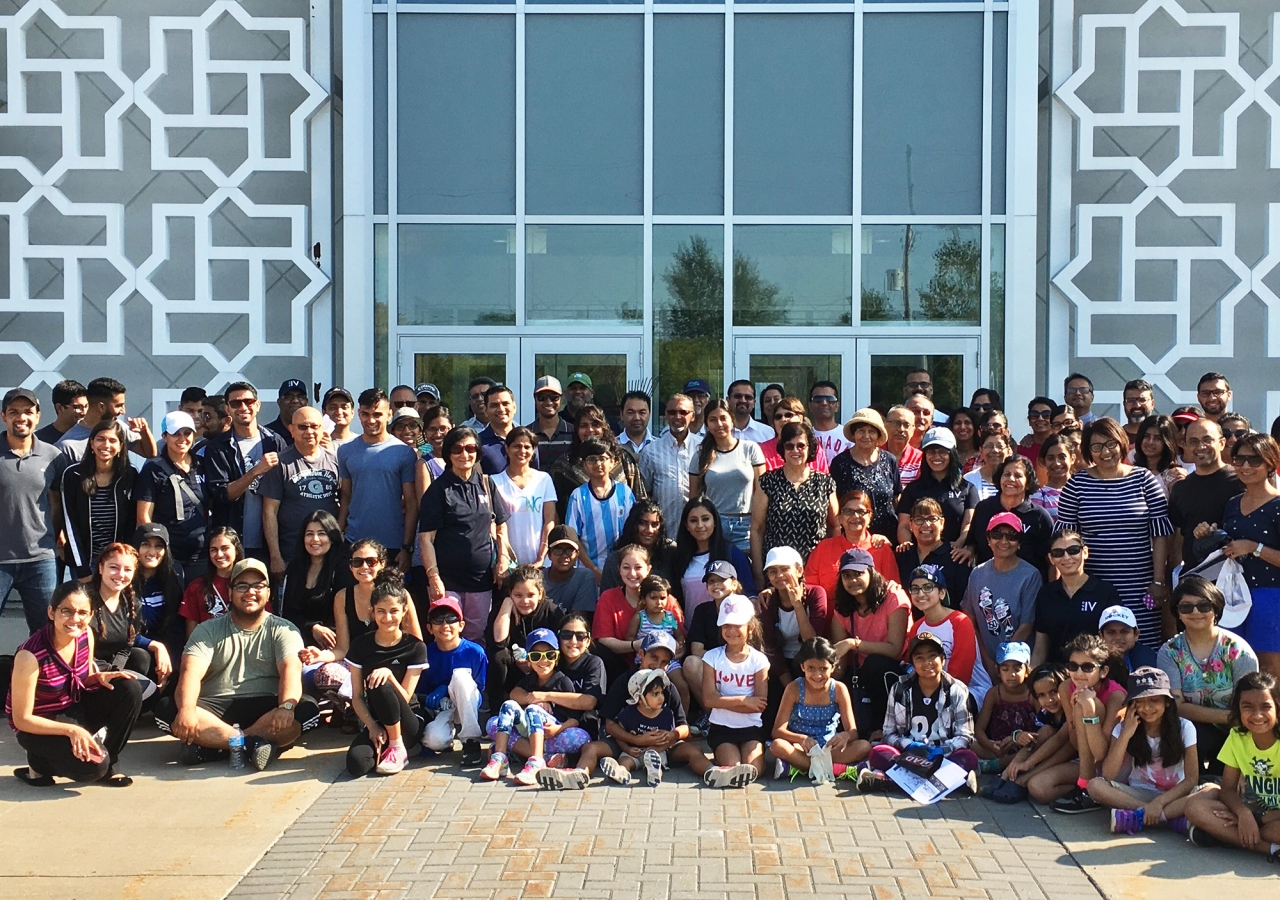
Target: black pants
point(502, 676)
point(117, 709)
point(869, 689)
point(387, 708)
point(241, 711)
point(1209, 740)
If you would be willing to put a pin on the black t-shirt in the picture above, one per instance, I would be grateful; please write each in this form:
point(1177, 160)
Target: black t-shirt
point(1061, 618)
point(366, 654)
point(587, 674)
point(460, 513)
point(558, 682)
point(616, 699)
point(925, 711)
point(186, 533)
point(957, 574)
point(954, 501)
point(1037, 532)
point(50, 434)
point(116, 627)
point(547, 615)
point(703, 628)
point(1201, 498)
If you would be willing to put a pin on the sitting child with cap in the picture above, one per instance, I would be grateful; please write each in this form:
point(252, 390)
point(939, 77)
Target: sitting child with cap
point(649, 711)
point(735, 690)
point(543, 727)
point(452, 686)
point(1118, 626)
point(928, 714)
point(1007, 710)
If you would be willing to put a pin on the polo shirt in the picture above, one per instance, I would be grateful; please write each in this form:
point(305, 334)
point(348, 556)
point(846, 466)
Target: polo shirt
point(493, 452)
point(551, 448)
point(1060, 618)
point(460, 512)
point(26, 521)
point(186, 532)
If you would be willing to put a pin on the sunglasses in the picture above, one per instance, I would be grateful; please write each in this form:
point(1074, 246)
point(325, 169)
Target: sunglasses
point(403, 404)
point(792, 445)
point(1249, 461)
point(363, 562)
point(1073, 550)
point(1204, 606)
point(567, 635)
point(1040, 414)
point(1237, 433)
point(470, 449)
point(444, 619)
point(1010, 536)
point(242, 401)
point(823, 398)
point(1086, 668)
point(547, 395)
point(540, 655)
point(983, 407)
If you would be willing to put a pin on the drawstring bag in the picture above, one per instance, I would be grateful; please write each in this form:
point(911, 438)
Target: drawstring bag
point(1228, 575)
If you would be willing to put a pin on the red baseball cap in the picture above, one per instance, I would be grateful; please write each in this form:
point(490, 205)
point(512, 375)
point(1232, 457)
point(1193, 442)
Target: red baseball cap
point(446, 603)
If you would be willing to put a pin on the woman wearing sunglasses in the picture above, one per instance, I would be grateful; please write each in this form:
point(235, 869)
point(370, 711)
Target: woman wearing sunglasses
point(1204, 662)
point(1070, 605)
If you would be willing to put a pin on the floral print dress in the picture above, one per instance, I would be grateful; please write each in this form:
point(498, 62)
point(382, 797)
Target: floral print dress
point(1209, 683)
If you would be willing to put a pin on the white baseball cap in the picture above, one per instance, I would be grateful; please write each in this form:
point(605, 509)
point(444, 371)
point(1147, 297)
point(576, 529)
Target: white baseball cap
point(735, 610)
point(1121, 614)
point(783, 556)
point(175, 421)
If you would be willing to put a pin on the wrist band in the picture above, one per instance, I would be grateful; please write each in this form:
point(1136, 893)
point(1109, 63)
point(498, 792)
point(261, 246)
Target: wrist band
point(1016, 732)
point(1082, 783)
point(1092, 720)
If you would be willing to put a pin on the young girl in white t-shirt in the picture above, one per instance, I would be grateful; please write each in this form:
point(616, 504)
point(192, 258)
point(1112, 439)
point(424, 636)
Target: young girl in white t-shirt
point(1152, 766)
point(735, 688)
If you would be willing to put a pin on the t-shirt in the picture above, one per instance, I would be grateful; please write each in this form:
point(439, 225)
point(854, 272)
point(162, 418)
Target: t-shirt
point(301, 487)
point(251, 532)
point(924, 708)
point(1259, 769)
point(26, 521)
point(1060, 618)
point(195, 608)
point(461, 513)
point(833, 441)
point(1159, 774)
point(703, 628)
point(242, 663)
point(587, 673)
point(985, 488)
point(1212, 682)
point(558, 682)
point(735, 679)
point(822, 567)
point(50, 433)
point(909, 463)
point(366, 654)
point(955, 501)
point(186, 531)
point(578, 594)
point(1201, 498)
point(616, 700)
point(730, 479)
point(613, 614)
point(1001, 602)
point(692, 585)
point(442, 663)
point(377, 473)
point(874, 627)
point(598, 520)
point(636, 722)
point(524, 527)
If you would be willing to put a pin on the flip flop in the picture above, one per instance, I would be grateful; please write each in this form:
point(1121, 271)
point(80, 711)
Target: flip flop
point(24, 775)
point(115, 779)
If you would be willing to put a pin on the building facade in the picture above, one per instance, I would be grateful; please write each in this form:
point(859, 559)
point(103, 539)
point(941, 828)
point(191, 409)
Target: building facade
point(378, 192)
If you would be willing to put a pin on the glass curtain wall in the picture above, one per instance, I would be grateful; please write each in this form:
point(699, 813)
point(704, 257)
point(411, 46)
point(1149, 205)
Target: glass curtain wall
point(687, 174)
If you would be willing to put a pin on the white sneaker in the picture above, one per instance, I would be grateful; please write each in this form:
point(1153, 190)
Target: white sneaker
point(740, 775)
point(563, 779)
point(972, 781)
point(652, 768)
point(613, 770)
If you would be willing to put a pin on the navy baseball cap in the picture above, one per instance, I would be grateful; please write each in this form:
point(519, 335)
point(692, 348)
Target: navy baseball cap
point(721, 568)
point(291, 385)
point(697, 385)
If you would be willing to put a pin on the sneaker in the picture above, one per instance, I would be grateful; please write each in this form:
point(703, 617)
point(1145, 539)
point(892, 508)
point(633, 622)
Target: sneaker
point(717, 776)
point(612, 769)
point(780, 769)
point(471, 754)
point(563, 779)
point(1074, 803)
point(260, 752)
point(840, 770)
point(392, 760)
point(195, 755)
point(703, 724)
point(1126, 821)
point(872, 782)
point(740, 775)
point(1008, 792)
point(495, 767)
point(555, 761)
point(971, 780)
point(652, 768)
point(1202, 838)
point(529, 774)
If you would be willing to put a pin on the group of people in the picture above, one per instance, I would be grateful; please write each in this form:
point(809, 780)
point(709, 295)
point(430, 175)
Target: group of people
point(800, 594)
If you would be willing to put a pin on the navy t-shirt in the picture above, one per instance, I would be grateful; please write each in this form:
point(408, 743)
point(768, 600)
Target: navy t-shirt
point(558, 682)
point(636, 722)
point(186, 532)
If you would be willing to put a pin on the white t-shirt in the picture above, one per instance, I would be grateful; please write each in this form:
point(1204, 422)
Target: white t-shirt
point(695, 589)
point(735, 680)
point(1157, 776)
point(524, 527)
point(789, 632)
point(979, 680)
point(832, 441)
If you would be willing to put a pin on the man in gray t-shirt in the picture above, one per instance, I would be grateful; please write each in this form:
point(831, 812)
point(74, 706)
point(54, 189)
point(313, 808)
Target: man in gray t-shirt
point(1001, 596)
point(306, 480)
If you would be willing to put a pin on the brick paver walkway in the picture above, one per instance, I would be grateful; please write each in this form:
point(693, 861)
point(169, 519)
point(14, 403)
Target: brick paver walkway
point(433, 831)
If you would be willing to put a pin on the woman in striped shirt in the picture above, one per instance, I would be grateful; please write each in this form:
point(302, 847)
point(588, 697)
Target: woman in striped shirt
point(1121, 512)
point(57, 700)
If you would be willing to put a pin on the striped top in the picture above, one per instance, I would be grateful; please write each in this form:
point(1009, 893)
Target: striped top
point(1118, 518)
point(58, 685)
point(599, 521)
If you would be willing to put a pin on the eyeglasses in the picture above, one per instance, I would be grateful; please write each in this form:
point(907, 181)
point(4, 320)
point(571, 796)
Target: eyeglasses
point(1204, 606)
point(540, 655)
point(1105, 445)
point(596, 460)
point(563, 550)
point(1086, 668)
point(257, 587)
point(363, 562)
point(1078, 390)
point(1206, 442)
point(1040, 414)
point(785, 414)
point(1248, 460)
point(242, 401)
point(823, 398)
point(1010, 536)
point(1217, 392)
point(444, 619)
point(926, 520)
point(567, 635)
point(470, 449)
point(1073, 550)
point(919, 590)
point(857, 511)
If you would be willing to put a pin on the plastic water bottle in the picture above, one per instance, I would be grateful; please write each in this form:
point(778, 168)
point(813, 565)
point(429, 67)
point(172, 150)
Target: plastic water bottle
point(237, 748)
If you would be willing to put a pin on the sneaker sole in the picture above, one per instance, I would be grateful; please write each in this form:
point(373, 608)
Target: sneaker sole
point(742, 775)
point(612, 769)
point(716, 777)
point(652, 768)
point(1078, 812)
point(262, 755)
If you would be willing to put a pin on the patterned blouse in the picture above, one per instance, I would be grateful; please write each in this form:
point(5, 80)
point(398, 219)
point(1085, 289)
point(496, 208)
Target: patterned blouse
point(1209, 683)
point(879, 481)
point(797, 513)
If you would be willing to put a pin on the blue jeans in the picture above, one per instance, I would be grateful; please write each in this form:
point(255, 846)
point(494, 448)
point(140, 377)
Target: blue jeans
point(34, 582)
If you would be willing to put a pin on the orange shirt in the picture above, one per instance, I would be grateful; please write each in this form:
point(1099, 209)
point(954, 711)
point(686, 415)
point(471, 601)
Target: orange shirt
point(823, 566)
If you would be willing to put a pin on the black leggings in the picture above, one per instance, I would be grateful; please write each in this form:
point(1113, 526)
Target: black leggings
point(1209, 741)
point(50, 754)
point(387, 708)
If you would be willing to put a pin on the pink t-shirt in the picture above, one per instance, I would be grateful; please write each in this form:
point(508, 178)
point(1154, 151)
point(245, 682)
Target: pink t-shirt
point(874, 629)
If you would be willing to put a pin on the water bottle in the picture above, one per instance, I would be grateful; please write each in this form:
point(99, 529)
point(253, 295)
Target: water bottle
point(237, 748)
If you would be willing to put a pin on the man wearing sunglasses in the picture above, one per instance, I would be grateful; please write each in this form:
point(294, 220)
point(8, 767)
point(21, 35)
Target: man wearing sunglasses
point(291, 397)
point(1001, 594)
point(1202, 496)
point(555, 433)
point(824, 409)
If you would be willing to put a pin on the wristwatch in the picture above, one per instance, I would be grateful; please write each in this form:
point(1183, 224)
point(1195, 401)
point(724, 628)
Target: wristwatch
point(1257, 551)
point(288, 705)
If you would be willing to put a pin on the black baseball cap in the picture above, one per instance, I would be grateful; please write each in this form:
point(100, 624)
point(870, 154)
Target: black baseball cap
point(150, 530)
point(292, 384)
point(21, 394)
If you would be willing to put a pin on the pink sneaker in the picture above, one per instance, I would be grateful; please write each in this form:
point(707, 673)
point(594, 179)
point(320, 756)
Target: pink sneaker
point(529, 774)
point(392, 760)
point(494, 768)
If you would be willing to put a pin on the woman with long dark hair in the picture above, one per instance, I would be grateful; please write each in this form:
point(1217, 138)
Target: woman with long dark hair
point(727, 472)
point(207, 596)
point(158, 586)
point(1015, 483)
point(1156, 449)
point(116, 625)
point(700, 542)
point(964, 425)
point(97, 498)
point(644, 526)
point(317, 571)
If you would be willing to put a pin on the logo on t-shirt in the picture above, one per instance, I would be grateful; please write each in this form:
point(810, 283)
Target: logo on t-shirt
point(315, 484)
point(995, 613)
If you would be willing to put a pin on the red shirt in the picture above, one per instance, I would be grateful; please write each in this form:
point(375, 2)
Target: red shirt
point(823, 566)
point(613, 614)
point(773, 459)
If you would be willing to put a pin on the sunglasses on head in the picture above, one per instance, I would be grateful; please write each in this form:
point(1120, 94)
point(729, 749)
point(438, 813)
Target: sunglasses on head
point(1086, 668)
point(1073, 550)
point(1202, 606)
point(540, 655)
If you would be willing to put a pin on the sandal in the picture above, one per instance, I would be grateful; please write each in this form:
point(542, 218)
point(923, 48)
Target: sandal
point(115, 779)
point(24, 775)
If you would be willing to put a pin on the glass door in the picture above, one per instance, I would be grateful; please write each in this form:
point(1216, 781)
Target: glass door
point(450, 363)
point(612, 363)
point(797, 363)
point(884, 363)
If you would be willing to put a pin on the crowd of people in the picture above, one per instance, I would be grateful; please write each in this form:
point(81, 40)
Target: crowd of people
point(1088, 615)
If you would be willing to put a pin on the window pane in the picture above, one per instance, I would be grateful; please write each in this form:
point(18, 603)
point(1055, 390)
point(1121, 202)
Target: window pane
point(576, 272)
point(584, 108)
point(452, 372)
point(457, 275)
point(688, 308)
point(888, 372)
point(996, 315)
point(608, 373)
point(796, 373)
point(921, 273)
point(456, 101)
point(688, 115)
point(381, 318)
point(999, 107)
point(793, 115)
point(792, 274)
point(380, 115)
point(922, 124)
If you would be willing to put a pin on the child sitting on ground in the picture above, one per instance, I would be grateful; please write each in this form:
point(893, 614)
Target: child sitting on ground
point(1038, 749)
point(453, 684)
point(816, 711)
point(1007, 708)
point(1245, 811)
point(735, 689)
point(654, 615)
point(542, 730)
point(649, 711)
point(1151, 768)
point(721, 579)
